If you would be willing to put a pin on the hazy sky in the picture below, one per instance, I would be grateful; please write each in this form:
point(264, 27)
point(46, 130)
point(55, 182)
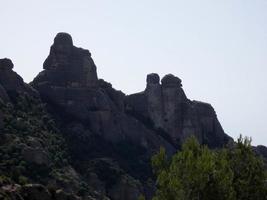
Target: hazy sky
point(217, 47)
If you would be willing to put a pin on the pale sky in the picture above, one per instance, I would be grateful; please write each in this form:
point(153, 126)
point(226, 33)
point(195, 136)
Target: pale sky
point(217, 47)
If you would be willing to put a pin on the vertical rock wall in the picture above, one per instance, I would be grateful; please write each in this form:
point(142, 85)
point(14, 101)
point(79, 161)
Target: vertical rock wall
point(168, 108)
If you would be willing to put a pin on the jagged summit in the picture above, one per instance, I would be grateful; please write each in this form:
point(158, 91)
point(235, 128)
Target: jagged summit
point(67, 65)
point(168, 80)
point(168, 109)
point(70, 81)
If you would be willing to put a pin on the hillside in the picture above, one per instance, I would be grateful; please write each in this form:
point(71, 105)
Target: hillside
point(70, 135)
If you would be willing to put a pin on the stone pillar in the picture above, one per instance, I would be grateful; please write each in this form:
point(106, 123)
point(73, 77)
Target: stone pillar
point(154, 99)
point(68, 65)
point(173, 98)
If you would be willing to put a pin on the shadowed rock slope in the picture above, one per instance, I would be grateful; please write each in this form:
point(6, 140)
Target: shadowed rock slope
point(81, 139)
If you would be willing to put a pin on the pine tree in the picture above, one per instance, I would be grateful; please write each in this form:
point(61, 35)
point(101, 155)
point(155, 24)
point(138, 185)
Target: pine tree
point(198, 173)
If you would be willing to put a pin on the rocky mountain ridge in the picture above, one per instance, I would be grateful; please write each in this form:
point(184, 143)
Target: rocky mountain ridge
point(88, 138)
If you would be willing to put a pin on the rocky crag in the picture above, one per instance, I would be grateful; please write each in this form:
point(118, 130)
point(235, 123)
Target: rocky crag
point(80, 138)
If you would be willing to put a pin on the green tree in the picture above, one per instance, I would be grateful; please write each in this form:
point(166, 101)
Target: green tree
point(249, 173)
point(198, 173)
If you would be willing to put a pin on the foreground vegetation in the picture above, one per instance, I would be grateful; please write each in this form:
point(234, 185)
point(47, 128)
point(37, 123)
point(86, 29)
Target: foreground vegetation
point(199, 173)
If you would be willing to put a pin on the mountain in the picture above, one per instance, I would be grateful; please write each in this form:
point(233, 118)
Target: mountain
point(70, 135)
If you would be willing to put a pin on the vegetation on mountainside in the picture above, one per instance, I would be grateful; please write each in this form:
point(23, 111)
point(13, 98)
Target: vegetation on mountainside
point(198, 173)
point(31, 148)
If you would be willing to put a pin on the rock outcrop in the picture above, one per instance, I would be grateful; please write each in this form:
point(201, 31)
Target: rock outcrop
point(91, 114)
point(101, 122)
point(11, 83)
point(75, 63)
point(167, 108)
point(69, 82)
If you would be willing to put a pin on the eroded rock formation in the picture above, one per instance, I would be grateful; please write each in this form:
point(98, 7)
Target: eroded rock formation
point(68, 65)
point(92, 116)
point(69, 82)
point(110, 137)
point(167, 108)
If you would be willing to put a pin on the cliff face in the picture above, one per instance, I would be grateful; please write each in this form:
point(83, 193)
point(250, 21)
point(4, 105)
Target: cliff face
point(69, 81)
point(168, 108)
point(84, 129)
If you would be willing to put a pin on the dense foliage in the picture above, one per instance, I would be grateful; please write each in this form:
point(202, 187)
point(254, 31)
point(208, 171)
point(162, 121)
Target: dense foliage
point(31, 148)
point(198, 173)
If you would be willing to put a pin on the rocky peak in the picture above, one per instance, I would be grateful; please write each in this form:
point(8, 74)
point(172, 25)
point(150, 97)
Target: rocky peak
point(63, 44)
point(152, 78)
point(170, 80)
point(75, 63)
point(169, 110)
point(63, 39)
point(10, 82)
point(6, 64)
point(69, 82)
